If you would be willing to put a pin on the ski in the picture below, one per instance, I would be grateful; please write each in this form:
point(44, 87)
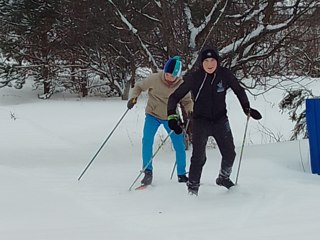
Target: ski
point(141, 187)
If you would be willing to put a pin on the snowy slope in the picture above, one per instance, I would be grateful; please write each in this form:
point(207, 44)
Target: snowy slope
point(44, 150)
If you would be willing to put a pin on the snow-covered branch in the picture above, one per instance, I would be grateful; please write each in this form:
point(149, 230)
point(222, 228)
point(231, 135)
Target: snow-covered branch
point(261, 30)
point(135, 33)
point(195, 31)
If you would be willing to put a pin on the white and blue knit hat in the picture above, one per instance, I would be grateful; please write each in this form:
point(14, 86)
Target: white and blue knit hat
point(173, 66)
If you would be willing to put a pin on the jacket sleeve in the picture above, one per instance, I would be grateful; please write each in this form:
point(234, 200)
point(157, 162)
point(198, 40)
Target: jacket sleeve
point(233, 82)
point(187, 103)
point(177, 95)
point(141, 86)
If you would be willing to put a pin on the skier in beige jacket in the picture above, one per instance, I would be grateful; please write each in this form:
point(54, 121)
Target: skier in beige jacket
point(160, 86)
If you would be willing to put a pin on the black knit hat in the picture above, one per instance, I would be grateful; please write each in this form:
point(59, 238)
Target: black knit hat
point(209, 53)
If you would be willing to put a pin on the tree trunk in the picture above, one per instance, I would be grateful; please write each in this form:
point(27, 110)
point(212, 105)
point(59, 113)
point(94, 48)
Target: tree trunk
point(46, 82)
point(83, 84)
point(129, 84)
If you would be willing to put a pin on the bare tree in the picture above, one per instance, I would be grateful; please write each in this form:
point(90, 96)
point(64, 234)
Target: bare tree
point(111, 39)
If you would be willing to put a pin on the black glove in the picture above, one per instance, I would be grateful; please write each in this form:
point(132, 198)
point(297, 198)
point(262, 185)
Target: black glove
point(131, 102)
point(252, 113)
point(173, 122)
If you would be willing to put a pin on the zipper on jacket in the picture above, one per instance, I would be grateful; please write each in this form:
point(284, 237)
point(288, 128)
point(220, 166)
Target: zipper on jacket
point(204, 79)
point(214, 77)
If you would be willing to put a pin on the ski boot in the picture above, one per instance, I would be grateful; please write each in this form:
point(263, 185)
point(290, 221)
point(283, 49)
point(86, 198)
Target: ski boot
point(182, 178)
point(147, 179)
point(193, 188)
point(224, 181)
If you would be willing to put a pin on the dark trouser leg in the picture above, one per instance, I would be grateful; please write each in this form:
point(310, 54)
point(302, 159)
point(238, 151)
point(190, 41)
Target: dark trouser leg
point(198, 159)
point(223, 136)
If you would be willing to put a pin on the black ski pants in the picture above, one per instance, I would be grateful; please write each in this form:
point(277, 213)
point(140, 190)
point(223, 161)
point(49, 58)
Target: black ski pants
point(220, 130)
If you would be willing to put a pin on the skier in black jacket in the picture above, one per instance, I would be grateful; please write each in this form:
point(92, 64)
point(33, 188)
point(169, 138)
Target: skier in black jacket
point(209, 85)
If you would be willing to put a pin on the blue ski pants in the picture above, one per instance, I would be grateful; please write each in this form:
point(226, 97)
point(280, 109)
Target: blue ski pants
point(150, 128)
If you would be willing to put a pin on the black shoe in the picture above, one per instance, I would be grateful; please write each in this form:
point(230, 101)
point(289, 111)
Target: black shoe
point(182, 178)
point(193, 188)
point(225, 182)
point(147, 180)
point(192, 192)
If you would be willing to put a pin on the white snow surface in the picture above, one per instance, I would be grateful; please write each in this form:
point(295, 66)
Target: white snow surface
point(46, 144)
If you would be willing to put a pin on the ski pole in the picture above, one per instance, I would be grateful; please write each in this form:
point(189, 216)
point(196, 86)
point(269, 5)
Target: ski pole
point(155, 153)
point(175, 163)
point(105, 141)
point(242, 147)
point(173, 169)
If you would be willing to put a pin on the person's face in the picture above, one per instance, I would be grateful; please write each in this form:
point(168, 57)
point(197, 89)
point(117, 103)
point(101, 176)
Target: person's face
point(210, 65)
point(168, 77)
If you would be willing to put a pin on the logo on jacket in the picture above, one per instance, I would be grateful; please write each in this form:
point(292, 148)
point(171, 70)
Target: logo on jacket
point(220, 87)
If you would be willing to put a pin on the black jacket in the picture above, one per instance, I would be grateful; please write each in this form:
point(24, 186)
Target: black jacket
point(209, 93)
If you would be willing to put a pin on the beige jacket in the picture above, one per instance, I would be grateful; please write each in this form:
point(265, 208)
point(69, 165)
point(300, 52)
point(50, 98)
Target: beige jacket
point(158, 94)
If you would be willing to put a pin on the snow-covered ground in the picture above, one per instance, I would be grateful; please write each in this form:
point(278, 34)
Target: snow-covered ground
point(46, 144)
